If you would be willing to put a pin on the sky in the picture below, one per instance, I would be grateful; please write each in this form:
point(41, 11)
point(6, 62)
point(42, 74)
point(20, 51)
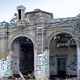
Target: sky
point(59, 8)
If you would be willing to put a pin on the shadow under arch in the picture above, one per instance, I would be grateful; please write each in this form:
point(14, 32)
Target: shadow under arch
point(20, 35)
point(56, 33)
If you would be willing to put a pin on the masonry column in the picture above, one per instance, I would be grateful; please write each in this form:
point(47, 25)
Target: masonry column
point(11, 63)
point(46, 63)
point(78, 60)
point(42, 58)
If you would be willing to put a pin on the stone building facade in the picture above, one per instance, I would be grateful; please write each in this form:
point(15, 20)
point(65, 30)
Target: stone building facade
point(37, 43)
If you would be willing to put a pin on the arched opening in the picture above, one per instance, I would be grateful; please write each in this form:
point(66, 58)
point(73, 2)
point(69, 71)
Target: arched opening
point(23, 56)
point(63, 56)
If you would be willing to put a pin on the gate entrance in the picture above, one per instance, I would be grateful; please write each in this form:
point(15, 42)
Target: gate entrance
point(63, 56)
point(23, 52)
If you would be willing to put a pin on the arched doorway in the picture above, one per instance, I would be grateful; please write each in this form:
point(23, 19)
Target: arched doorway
point(23, 56)
point(63, 56)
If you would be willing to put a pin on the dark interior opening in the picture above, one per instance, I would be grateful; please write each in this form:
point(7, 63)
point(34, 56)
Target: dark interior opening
point(61, 67)
point(19, 13)
point(26, 56)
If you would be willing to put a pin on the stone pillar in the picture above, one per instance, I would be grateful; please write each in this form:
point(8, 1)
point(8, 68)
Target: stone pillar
point(42, 58)
point(35, 55)
point(42, 66)
point(11, 63)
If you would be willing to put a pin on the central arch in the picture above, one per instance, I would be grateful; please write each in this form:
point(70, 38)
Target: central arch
point(23, 55)
point(63, 55)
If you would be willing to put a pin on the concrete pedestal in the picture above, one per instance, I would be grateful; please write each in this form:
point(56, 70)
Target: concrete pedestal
point(42, 66)
point(11, 63)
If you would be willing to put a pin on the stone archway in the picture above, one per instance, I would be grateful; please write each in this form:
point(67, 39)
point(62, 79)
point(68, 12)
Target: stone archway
point(62, 49)
point(23, 55)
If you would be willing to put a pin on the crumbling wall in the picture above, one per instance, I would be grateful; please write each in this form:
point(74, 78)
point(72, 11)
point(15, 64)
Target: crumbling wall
point(5, 67)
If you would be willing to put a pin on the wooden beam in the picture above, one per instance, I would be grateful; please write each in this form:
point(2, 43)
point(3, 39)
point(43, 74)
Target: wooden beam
point(22, 76)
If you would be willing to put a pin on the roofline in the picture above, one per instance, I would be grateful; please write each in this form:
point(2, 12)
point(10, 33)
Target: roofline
point(40, 11)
